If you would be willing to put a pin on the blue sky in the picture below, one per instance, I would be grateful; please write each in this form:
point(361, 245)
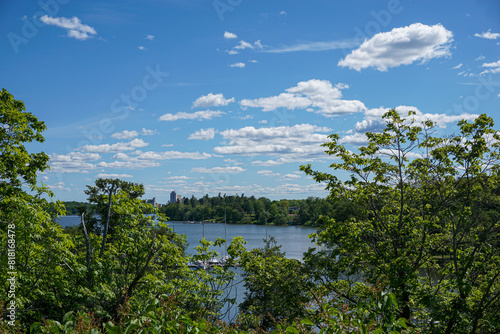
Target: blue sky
point(232, 96)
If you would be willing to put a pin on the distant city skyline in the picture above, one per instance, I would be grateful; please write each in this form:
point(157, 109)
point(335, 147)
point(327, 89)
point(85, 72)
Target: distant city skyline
point(204, 99)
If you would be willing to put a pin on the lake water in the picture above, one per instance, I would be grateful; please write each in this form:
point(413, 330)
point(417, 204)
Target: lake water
point(293, 239)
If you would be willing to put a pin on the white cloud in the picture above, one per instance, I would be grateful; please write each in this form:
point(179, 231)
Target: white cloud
point(400, 46)
point(150, 159)
point(229, 35)
point(283, 12)
point(148, 132)
point(167, 155)
point(203, 134)
point(233, 162)
point(284, 100)
point(113, 148)
point(239, 65)
point(458, 66)
point(232, 52)
point(290, 177)
point(74, 26)
point(218, 170)
point(481, 57)
point(199, 115)
point(142, 48)
point(113, 176)
point(58, 186)
point(488, 35)
point(74, 156)
point(243, 45)
point(357, 139)
point(125, 134)
point(301, 140)
point(267, 172)
point(73, 162)
point(150, 37)
point(492, 67)
point(319, 94)
point(129, 164)
point(313, 46)
point(211, 100)
point(373, 121)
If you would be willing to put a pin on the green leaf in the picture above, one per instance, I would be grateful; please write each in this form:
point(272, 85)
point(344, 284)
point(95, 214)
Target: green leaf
point(307, 322)
point(66, 316)
point(131, 327)
point(112, 329)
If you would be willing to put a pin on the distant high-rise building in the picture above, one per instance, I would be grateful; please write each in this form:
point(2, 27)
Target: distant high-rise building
point(152, 201)
point(174, 197)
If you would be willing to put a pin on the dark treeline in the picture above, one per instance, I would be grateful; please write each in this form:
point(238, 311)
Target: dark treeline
point(240, 209)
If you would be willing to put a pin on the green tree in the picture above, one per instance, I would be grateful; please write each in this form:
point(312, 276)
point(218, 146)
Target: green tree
point(38, 251)
point(277, 288)
point(427, 229)
point(101, 194)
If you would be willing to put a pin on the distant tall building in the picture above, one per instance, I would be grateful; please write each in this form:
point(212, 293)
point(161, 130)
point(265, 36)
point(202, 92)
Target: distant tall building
point(174, 197)
point(152, 201)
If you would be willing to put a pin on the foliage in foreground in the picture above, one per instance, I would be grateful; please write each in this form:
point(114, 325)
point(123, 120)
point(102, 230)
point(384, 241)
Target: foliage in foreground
point(416, 250)
point(428, 229)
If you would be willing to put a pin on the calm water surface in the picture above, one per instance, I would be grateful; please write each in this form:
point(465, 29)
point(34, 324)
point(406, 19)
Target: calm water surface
point(293, 239)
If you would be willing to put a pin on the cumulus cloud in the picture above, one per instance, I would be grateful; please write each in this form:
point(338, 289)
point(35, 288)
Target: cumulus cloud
point(491, 67)
point(357, 139)
point(125, 134)
point(229, 35)
point(58, 186)
point(267, 172)
point(218, 170)
point(199, 115)
point(400, 46)
point(167, 155)
point(211, 100)
point(113, 148)
point(321, 95)
point(488, 35)
point(113, 176)
point(203, 134)
point(150, 37)
point(148, 132)
point(298, 141)
point(373, 121)
point(75, 28)
point(290, 177)
point(149, 159)
point(244, 45)
point(239, 65)
point(74, 162)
